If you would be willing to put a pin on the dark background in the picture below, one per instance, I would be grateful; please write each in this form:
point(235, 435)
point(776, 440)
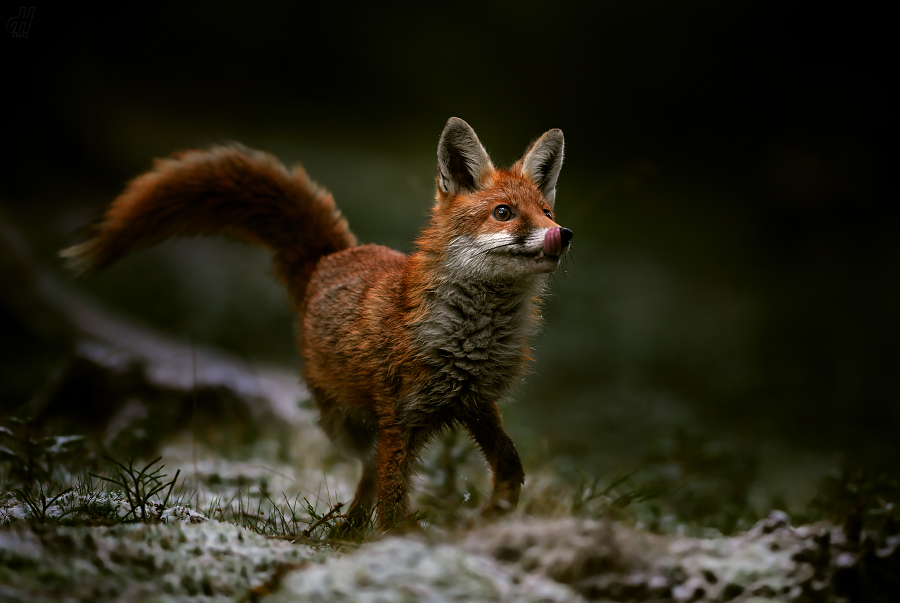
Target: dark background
point(727, 176)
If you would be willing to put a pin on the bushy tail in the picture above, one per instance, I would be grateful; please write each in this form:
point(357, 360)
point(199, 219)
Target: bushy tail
point(230, 190)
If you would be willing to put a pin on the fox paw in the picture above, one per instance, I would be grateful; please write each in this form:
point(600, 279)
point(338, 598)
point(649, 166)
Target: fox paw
point(497, 508)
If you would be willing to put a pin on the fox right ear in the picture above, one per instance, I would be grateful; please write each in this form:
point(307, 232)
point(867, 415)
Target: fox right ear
point(542, 162)
point(463, 164)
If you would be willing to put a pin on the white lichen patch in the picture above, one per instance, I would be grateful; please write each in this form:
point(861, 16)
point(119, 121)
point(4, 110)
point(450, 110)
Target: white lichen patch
point(180, 514)
point(760, 560)
point(12, 510)
point(605, 560)
point(175, 562)
point(410, 570)
point(82, 507)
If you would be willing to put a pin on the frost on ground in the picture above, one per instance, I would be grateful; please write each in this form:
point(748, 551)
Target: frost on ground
point(81, 507)
point(518, 559)
point(174, 562)
point(407, 569)
point(608, 561)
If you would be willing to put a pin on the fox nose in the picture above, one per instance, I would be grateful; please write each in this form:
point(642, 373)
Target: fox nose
point(556, 240)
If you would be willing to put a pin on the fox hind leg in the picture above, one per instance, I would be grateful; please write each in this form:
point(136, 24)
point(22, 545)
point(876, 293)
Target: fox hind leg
point(353, 432)
point(361, 508)
point(396, 457)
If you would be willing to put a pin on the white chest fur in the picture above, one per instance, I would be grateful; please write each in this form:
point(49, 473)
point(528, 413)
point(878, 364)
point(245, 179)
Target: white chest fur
point(474, 337)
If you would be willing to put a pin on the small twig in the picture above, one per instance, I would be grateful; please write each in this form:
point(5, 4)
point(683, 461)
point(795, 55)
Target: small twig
point(323, 519)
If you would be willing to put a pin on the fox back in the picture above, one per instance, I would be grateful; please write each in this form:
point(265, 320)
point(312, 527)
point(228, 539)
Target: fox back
point(395, 347)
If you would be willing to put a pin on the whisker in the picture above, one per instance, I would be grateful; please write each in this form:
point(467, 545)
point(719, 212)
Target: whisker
point(571, 254)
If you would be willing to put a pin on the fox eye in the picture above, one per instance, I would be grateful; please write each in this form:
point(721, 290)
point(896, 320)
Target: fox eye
point(548, 214)
point(502, 213)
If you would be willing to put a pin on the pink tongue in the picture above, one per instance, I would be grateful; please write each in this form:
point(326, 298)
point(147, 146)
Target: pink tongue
point(552, 242)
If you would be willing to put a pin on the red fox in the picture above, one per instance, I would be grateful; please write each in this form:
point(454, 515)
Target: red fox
point(396, 347)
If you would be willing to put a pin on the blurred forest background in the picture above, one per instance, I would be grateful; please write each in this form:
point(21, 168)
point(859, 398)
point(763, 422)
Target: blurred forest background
point(728, 178)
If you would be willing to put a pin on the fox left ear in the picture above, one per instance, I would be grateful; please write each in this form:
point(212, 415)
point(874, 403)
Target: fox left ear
point(463, 164)
point(542, 162)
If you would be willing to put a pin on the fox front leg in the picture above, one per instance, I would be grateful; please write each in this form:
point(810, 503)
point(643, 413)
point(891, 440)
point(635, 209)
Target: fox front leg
point(498, 448)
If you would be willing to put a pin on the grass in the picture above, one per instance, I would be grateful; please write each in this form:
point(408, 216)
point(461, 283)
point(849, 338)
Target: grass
point(622, 491)
point(39, 501)
point(859, 501)
point(704, 493)
point(140, 485)
point(298, 519)
point(37, 474)
point(139, 492)
point(30, 458)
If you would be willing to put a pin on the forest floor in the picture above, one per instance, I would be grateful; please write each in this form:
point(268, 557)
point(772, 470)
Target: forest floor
point(238, 497)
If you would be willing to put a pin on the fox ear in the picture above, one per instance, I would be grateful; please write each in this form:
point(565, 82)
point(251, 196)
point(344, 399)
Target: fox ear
point(463, 164)
point(542, 161)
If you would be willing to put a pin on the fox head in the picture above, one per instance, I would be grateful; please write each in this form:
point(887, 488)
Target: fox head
point(496, 223)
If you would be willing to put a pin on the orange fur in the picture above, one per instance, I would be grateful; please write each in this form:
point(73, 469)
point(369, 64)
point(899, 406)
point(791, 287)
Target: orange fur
point(231, 190)
point(395, 347)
